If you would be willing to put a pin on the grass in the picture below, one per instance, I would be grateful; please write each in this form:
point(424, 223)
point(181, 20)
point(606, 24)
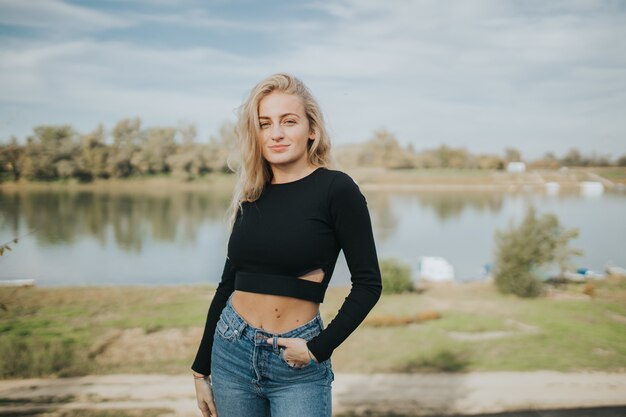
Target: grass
point(617, 174)
point(145, 329)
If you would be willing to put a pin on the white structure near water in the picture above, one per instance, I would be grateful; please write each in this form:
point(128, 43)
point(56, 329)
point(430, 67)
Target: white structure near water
point(591, 188)
point(434, 268)
point(515, 167)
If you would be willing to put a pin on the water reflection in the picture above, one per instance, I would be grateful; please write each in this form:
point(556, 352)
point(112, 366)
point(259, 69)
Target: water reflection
point(170, 236)
point(60, 217)
point(449, 206)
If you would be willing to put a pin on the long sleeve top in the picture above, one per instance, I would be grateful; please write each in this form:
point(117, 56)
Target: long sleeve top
point(294, 228)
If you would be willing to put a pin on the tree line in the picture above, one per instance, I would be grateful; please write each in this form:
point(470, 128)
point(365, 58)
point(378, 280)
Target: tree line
point(54, 152)
point(384, 150)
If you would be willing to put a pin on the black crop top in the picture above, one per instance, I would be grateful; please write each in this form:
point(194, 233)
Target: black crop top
point(294, 228)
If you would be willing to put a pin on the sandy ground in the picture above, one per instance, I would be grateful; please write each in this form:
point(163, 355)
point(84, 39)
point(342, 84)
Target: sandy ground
point(355, 394)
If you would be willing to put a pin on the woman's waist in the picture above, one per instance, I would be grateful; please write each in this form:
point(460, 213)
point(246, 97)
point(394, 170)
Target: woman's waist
point(273, 313)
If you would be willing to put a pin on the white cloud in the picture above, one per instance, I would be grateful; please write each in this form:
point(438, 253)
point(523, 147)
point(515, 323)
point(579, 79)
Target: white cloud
point(485, 75)
point(56, 15)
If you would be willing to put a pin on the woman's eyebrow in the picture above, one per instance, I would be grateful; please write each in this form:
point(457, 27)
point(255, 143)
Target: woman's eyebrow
point(281, 116)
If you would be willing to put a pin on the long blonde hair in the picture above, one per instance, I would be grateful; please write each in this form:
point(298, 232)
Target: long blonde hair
point(252, 169)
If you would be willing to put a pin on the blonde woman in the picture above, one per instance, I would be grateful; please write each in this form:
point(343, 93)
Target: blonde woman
point(265, 350)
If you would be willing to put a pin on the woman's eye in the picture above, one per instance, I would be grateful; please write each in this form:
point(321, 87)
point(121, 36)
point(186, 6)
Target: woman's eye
point(264, 125)
point(290, 122)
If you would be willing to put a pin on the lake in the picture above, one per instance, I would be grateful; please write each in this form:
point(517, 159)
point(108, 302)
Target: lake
point(179, 237)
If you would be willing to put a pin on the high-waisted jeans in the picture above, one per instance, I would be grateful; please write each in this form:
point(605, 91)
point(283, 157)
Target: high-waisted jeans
point(251, 378)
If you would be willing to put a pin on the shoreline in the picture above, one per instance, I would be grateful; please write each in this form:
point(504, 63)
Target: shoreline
point(369, 179)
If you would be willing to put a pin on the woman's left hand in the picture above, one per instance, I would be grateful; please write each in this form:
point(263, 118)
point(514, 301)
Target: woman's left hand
point(296, 352)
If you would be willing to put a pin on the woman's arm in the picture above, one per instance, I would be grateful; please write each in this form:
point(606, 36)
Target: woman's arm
point(353, 229)
point(202, 362)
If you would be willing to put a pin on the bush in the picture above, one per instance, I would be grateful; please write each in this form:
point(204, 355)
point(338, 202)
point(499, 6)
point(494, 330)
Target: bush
point(522, 252)
point(441, 361)
point(396, 276)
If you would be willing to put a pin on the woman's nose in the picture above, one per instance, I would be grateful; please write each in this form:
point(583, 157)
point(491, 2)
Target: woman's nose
point(277, 131)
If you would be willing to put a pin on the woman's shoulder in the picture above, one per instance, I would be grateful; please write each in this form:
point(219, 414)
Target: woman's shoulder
point(340, 183)
point(337, 175)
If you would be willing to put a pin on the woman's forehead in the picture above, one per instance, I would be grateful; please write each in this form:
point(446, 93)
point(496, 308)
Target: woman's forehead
point(278, 103)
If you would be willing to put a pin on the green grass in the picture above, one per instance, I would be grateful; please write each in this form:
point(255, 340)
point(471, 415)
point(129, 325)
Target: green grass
point(100, 330)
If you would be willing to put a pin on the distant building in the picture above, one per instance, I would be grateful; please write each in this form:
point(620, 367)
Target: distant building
point(435, 268)
point(591, 188)
point(516, 167)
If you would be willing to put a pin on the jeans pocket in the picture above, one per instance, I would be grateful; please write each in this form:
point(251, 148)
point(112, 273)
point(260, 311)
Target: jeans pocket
point(225, 331)
point(281, 355)
point(306, 335)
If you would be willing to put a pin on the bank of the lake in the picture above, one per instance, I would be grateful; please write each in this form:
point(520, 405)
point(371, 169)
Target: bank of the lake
point(369, 178)
point(65, 331)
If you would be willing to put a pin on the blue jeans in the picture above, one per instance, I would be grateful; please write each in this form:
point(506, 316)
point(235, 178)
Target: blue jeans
point(251, 377)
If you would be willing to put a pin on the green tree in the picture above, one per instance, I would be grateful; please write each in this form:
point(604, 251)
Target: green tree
point(573, 158)
point(50, 153)
point(189, 159)
point(11, 156)
point(512, 155)
point(523, 252)
point(383, 150)
point(93, 156)
point(158, 143)
point(126, 141)
point(220, 147)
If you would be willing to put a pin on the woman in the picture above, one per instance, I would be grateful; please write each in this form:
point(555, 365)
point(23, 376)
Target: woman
point(265, 350)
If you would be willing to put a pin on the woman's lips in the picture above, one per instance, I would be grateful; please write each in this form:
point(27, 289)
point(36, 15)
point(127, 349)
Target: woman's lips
point(279, 147)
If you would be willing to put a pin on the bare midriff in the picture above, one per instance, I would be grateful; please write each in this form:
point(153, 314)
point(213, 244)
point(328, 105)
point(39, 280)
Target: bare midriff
point(277, 313)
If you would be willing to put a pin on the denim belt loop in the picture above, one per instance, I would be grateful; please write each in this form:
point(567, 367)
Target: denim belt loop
point(275, 344)
point(242, 328)
point(318, 318)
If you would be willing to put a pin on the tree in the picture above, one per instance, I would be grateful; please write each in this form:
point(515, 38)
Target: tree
point(126, 141)
point(523, 252)
point(512, 155)
point(93, 156)
point(10, 158)
point(219, 148)
point(573, 158)
point(50, 152)
point(158, 143)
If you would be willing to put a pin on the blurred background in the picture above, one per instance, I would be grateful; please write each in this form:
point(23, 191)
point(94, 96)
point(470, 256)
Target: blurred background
point(488, 138)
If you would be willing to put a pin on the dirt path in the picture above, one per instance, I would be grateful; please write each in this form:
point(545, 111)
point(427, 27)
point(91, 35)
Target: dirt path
point(356, 394)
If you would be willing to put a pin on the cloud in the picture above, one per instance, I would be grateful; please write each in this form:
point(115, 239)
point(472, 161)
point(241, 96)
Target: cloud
point(57, 16)
point(485, 74)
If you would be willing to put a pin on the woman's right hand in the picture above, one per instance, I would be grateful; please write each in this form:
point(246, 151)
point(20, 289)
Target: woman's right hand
point(204, 395)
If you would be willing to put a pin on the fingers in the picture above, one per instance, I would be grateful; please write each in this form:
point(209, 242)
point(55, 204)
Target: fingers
point(207, 407)
point(212, 408)
point(206, 403)
point(285, 341)
point(204, 408)
point(280, 341)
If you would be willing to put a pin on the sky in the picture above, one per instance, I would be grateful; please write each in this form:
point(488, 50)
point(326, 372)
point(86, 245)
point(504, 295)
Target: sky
point(540, 76)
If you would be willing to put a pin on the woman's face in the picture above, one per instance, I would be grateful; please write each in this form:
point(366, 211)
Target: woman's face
point(284, 129)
